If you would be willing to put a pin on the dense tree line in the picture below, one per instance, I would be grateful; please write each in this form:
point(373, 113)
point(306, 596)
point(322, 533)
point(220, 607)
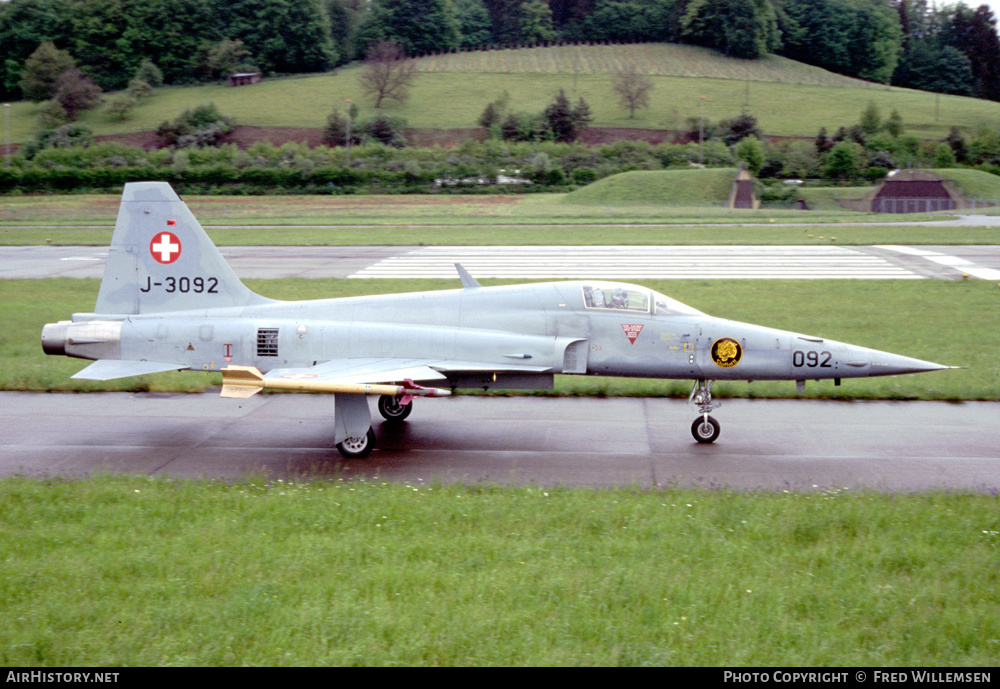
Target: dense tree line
point(109, 39)
point(950, 48)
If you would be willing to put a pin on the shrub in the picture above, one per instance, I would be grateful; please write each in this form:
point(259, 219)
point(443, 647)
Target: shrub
point(121, 108)
point(139, 88)
point(149, 73)
point(202, 126)
point(384, 130)
point(842, 161)
point(584, 175)
point(52, 114)
point(751, 151)
point(335, 133)
point(944, 156)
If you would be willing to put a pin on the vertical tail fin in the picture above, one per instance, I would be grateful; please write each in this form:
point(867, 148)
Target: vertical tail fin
point(162, 260)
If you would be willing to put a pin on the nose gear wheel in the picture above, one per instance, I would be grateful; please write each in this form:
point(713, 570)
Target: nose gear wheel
point(705, 429)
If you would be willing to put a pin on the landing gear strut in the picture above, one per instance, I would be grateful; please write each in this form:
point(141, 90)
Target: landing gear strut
point(705, 429)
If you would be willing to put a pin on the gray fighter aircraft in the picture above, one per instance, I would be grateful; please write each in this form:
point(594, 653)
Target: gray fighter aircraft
point(169, 301)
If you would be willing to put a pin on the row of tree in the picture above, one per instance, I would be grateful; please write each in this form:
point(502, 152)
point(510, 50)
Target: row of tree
point(951, 48)
point(68, 158)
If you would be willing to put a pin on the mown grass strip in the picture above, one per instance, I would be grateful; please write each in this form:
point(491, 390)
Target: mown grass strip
point(603, 213)
point(125, 571)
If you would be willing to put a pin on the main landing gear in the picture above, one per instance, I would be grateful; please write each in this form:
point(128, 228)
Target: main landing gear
point(357, 448)
point(392, 409)
point(705, 429)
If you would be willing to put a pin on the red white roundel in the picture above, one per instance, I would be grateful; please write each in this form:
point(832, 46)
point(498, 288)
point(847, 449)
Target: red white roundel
point(165, 247)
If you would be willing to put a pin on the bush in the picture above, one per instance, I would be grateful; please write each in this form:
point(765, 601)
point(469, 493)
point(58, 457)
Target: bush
point(740, 127)
point(121, 108)
point(944, 156)
point(384, 130)
point(52, 114)
point(842, 161)
point(751, 151)
point(149, 73)
point(335, 133)
point(66, 136)
point(584, 175)
point(202, 126)
point(138, 88)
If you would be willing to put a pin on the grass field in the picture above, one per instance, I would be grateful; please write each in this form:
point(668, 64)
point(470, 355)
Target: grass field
point(952, 323)
point(788, 99)
point(137, 571)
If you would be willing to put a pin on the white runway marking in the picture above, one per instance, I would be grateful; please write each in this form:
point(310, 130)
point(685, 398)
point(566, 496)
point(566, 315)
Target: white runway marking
point(656, 262)
point(961, 265)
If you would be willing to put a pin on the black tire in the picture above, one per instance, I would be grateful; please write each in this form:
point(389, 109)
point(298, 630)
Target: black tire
point(391, 410)
point(358, 448)
point(705, 430)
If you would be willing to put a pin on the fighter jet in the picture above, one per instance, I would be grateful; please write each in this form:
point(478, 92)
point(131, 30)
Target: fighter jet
point(169, 301)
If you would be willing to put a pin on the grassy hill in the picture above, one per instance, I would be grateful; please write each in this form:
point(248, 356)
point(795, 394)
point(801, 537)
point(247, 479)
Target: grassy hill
point(659, 59)
point(711, 186)
point(668, 187)
point(788, 98)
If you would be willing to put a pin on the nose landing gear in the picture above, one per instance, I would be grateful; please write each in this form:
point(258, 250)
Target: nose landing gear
point(705, 429)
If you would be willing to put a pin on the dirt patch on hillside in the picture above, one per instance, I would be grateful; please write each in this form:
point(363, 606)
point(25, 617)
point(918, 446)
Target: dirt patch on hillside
point(245, 136)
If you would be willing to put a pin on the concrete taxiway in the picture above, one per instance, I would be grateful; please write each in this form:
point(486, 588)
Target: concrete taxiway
point(552, 262)
point(645, 442)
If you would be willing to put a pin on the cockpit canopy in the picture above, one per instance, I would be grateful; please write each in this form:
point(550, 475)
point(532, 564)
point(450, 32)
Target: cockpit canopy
point(632, 298)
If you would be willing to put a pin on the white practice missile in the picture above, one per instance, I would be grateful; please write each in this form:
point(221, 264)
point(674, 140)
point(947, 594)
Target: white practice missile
point(246, 381)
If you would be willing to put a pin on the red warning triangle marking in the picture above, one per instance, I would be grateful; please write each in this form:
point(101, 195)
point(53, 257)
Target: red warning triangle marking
point(632, 331)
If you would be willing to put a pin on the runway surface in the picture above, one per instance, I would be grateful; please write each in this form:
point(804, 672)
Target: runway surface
point(643, 442)
point(553, 262)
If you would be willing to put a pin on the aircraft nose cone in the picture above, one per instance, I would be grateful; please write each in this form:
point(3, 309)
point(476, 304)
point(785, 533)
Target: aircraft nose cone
point(885, 364)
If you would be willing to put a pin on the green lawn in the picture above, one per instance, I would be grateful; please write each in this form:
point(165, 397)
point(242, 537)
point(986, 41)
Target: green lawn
point(142, 571)
point(667, 207)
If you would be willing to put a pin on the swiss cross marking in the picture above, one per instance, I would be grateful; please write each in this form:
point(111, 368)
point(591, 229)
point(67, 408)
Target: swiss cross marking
point(165, 247)
point(632, 331)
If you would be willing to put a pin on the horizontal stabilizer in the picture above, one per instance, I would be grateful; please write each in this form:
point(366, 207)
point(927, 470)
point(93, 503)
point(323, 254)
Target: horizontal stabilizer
point(109, 369)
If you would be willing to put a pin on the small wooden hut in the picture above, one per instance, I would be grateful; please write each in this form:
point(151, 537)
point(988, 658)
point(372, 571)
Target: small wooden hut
point(244, 78)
